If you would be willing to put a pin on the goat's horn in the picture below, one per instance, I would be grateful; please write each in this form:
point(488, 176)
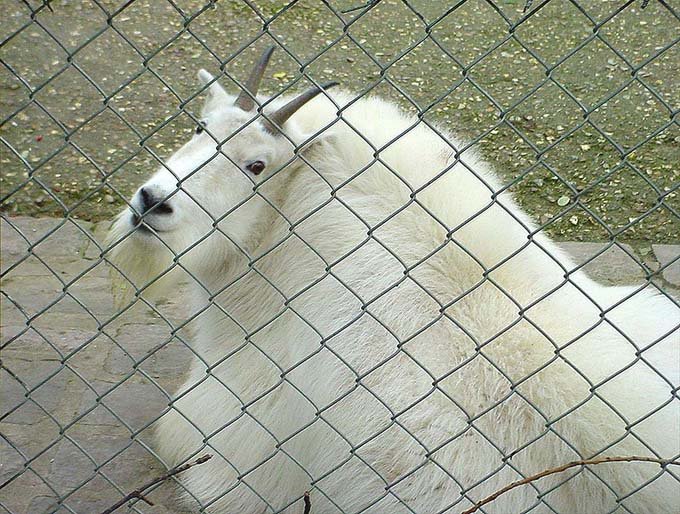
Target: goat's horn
point(281, 116)
point(245, 100)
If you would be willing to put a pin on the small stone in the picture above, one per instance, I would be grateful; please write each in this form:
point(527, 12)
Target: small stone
point(562, 201)
point(109, 199)
point(573, 220)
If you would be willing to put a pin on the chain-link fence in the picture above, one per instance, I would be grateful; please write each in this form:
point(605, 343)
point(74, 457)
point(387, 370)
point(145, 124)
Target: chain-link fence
point(370, 323)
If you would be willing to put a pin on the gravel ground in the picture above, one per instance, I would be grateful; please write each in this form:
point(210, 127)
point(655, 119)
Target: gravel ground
point(104, 84)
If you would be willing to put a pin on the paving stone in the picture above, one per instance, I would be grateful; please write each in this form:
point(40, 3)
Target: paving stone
point(54, 320)
point(59, 236)
point(11, 460)
point(11, 315)
point(26, 495)
point(129, 470)
point(90, 358)
point(24, 265)
point(27, 344)
point(69, 468)
point(15, 404)
point(95, 496)
point(60, 254)
point(83, 395)
point(88, 292)
point(11, 332)
point(139, 344)
point(134, 464)
point(49, 238)
point(613, 267)
point(72, 466)
point(45, 293)
point(27, 380)
point(136, 402)
point(38, 459)
point(54, 397)
point(44, 504)
point(65, 340)
point(128, 466)
point(30, 439)
point(32, 295)
point(669, 255)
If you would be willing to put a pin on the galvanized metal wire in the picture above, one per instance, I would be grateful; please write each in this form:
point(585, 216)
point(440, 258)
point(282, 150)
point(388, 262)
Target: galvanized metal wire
point(34, 15)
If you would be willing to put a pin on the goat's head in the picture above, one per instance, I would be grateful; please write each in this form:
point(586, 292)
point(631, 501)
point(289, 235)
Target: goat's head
point(202, 204)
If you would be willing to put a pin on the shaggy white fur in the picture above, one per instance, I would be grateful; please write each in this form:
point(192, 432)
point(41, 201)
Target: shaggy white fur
point(383, 329)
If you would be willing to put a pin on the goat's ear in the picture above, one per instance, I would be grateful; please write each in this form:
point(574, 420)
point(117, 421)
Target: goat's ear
point(216, 94)
point(205, 77)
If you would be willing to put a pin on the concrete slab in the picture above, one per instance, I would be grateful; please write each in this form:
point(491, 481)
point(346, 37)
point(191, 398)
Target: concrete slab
point(609, 265)
point(40, 257)
point(669, 259)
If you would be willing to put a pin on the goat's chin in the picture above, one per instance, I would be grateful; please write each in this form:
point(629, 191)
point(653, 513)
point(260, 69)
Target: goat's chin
point(136, 256)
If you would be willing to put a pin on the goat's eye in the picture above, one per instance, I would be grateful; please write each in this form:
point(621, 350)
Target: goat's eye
point(201, 125)
point(255, 167)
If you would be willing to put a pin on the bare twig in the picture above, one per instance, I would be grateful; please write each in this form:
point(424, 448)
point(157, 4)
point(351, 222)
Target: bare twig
point(564, 467)
point(138, 493)
point(308, 503)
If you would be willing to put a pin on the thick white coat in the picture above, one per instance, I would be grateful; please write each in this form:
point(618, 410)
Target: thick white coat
point(409, 347)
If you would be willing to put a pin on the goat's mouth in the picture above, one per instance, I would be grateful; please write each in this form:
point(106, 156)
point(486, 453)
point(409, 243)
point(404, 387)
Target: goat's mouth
point(143, 226)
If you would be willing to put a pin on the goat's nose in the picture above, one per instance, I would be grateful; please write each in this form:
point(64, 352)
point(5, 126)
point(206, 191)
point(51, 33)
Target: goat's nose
point(150, 201)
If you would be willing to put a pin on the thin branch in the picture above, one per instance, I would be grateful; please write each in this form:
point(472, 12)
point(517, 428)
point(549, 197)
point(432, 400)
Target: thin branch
point(559, 469)
point(308, 503)
point(138, 493)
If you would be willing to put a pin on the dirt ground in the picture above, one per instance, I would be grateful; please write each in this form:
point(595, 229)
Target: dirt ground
point(574, 105)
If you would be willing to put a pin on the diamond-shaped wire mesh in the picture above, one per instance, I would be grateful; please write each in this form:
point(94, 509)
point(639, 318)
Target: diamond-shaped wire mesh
point(372, 349)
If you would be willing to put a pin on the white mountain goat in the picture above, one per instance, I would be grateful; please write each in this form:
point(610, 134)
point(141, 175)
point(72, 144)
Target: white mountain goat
point(375, 324)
